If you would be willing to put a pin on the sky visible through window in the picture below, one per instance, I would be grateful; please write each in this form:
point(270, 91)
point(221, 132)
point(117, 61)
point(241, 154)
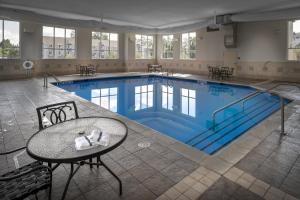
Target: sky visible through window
point(296, 26)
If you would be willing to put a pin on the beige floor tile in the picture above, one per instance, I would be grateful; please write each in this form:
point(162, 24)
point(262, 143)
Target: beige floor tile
point(259, 187)
point(217, 164)
point(192, 194)
point(233, 153)
point(172, 193)
point(182, 197)
point(182, 187)
point(245, 180)
point(202, 170)
point(207, 181)
point(200, 187)
point(197, 176)
point(189, 181)
point(213, 175)
point(233, 174)
point(162, 197)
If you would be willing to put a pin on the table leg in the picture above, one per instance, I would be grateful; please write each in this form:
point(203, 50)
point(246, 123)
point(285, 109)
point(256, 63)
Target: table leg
point(72, 173)
point(91, 160)
point(98, 161)
point(112, 173)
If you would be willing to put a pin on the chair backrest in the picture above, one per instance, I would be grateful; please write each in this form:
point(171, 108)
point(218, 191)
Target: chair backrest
point(56, 113)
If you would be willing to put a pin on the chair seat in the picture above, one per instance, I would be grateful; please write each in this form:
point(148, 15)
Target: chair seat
point(25, 185)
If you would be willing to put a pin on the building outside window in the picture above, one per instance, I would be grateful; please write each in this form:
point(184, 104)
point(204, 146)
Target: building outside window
point(144, 47)
point(294, 40)
point(143, 97)
point(188, 102)
point(106, 98)
point(59, 43)
point(167, 97)
point(105, 45)
point(188, 46)
point(168, 46)
point(9, 39)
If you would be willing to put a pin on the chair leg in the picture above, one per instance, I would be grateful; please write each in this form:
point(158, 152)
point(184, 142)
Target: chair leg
point(36, 198)
point(49, 192)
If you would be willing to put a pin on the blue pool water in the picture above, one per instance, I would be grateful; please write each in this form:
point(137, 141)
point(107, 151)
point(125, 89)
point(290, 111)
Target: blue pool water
point(181, 109)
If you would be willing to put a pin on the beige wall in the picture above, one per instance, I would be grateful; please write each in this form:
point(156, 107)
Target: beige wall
point(260, 53)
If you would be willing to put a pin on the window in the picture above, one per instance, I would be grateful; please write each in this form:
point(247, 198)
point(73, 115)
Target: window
point(188, 46)
point(106, 98)
point(294, 40)
point(144, 47)
point(143, 97)
point(188, 102)
point(58, 43)
point(9, 39)
point(167, 97)
point(105, 45)
point(167, 51)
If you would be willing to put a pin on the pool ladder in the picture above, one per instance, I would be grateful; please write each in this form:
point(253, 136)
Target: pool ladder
point(46, 75)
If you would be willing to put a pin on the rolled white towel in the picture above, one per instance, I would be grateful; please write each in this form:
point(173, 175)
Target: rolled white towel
point(82, 143)
point(97, 137)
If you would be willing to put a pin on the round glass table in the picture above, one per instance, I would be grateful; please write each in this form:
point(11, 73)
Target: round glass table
point(56, 143)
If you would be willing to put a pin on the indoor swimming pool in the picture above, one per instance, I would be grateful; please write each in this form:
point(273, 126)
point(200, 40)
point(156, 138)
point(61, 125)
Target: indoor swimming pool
point(182, 109)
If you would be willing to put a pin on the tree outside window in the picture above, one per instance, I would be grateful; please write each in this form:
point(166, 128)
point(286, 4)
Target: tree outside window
point(9, 39)
point(188, 45)
point(59, 43)
point(105, 45)
point(168, 46)
point(144, 47)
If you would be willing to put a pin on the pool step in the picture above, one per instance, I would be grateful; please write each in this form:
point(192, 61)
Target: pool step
point(226, 122)
point(223, 133)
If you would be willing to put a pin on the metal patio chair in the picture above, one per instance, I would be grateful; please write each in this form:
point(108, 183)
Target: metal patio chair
point(25, 181)
point(56, 113)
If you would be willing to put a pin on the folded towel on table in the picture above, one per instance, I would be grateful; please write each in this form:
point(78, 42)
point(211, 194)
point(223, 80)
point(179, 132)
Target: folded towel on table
point(97, 137)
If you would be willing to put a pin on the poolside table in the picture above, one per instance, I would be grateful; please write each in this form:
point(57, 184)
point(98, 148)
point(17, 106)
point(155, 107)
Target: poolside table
point(56, 144)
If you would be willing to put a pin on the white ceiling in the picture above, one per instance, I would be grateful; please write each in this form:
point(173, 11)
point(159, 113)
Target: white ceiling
point(147, 13)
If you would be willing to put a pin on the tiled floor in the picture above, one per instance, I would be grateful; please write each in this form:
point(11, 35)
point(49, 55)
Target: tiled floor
point(277, 160)
point(259, 165)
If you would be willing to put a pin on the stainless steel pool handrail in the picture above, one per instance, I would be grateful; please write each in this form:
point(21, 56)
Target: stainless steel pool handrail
point(262, 91)
point(231, 104)
point(46, 79)
point(256, 94)
point(227, 125)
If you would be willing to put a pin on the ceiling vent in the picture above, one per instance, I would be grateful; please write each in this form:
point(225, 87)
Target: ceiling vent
point(223, 19)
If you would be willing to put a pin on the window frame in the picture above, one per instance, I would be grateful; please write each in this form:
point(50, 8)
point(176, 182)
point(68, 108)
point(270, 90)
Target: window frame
point(153, 46)
point(181, 47)
point(99, 50)
point(289, 26)
point(2, 38)
point(163, 47)
point(65, 39)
